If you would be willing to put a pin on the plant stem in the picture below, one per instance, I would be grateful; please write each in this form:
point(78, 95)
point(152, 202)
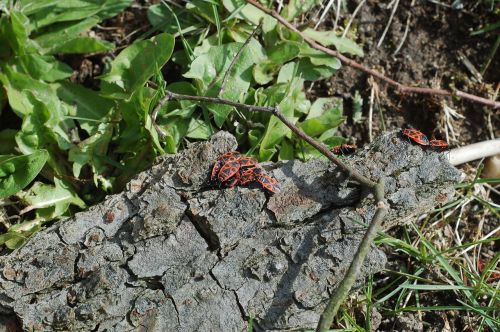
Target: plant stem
point(342, 291)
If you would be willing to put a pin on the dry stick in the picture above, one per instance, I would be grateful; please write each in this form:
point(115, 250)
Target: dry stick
point(345, 285)
point(400, 88)
point(342, 291)
point(275, 111)
point(226, 74)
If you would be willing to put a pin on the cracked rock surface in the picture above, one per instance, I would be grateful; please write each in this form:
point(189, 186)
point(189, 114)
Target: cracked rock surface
point(172, 254)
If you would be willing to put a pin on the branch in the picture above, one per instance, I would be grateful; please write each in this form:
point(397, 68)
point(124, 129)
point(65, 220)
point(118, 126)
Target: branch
point(237, 56)
point(400, 88)
point(275, 111)
point(342, 291)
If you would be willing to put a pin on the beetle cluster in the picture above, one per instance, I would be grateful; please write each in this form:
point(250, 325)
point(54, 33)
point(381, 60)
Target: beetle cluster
point(419, 138)
point(232, 169)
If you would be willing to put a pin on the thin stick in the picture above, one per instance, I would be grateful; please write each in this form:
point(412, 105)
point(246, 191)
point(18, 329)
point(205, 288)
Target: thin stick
point(389, 22)
point(400, 88)
point(405, 34)
point(325, 11)
point(345, 285)
point(370, 112)
point(237, 56)
point(275, 111)
point(354, 13)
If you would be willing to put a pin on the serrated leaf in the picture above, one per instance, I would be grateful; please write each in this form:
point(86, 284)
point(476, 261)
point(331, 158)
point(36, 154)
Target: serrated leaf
point(135, 65)
point(327, 38)
point(17, 172)
point(54, 199)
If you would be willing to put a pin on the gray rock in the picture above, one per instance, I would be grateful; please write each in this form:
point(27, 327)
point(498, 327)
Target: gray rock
point(171, 253)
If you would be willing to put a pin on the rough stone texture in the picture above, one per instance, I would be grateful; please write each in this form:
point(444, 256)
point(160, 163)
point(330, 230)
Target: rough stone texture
point(172, 254)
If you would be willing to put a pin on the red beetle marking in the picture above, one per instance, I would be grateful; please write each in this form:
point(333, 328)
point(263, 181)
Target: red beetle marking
point(344, 149)
point(437, 143)
point(228, 170)
point(226, 157)
point(231, 169)
point(269, 183)
point(416, 136)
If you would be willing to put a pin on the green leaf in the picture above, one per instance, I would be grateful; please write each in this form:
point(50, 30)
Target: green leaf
point(264, 72)
point(288, 96)
point(8, 139)
point(12, 240)
point(40, 67)
point(287, 150)
point(199, 129)
point(209, 69)
point(325, 113)
point(92, 151)
point(135, 65)
point(310, 72)
point(283, 52)
point(327, 38)
point(74, 10)
point(17, 172)
point(296, 7)
point(163, 19)
point(53, 201)
point(319, 58)
point(13, 33)
point(90, 109)
point(81, 45)
point(244, 11)
point(63, 33)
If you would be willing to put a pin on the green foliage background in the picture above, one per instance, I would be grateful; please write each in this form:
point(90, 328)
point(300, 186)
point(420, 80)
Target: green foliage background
point(76, 144)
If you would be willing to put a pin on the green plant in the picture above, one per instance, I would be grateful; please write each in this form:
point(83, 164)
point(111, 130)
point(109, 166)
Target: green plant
point(95, 141)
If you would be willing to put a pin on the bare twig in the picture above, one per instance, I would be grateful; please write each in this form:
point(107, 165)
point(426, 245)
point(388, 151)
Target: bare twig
point(236, 57)
point(400, 88)
point(325, 11)
point(405, 34)
point(351, 19)
point(350, 277)
point(396, 4)
point(275, 111)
